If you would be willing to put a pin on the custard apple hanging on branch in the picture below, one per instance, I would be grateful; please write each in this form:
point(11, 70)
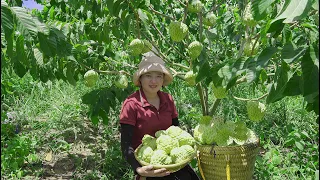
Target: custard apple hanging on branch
point(256, 110)
point(90, 78)
point(195, 49)
point(147, 46)
point(136, 46)
point(247, 16)
point(248, 48)
point(122, 82)
point(178, 31)
point(190, 78)
point(210, 19)
point(195, 6)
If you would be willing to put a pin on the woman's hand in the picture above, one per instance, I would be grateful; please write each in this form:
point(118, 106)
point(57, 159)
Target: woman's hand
point(148, 171)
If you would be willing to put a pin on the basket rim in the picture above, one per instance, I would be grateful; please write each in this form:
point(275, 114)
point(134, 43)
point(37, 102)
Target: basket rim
point(257, 142)
point(170, 166)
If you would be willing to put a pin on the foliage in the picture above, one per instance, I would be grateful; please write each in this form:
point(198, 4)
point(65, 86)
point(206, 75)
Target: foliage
point(66, 39)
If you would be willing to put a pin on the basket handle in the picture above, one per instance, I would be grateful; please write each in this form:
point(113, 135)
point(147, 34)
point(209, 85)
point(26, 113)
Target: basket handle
point(199, 165)
point(228, 167)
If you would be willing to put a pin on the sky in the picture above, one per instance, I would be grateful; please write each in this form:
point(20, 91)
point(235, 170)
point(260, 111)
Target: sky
point(31, 4)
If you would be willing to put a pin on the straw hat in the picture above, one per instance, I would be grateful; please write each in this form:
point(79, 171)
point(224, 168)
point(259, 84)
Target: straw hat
point(151, 62)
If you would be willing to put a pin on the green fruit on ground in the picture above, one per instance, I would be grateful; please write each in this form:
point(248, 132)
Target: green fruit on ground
point(248, 48)
point(247, 16)
point(122, 82)
point(147, 46)
point(178, 31)
point(195, 49)
point(190, 78)
point(195, 6)
point(90, 78)
point(209, 19)
point(219, 92)
point(256, 110)
point(136, 46)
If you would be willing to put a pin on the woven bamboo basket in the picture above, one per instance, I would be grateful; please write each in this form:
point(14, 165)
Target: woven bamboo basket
point(171, 167)
point(227, 162)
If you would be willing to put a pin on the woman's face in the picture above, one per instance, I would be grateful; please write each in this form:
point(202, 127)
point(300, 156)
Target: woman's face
point(151, 82)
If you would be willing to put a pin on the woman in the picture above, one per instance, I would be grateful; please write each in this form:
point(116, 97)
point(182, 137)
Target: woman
point(145, 112)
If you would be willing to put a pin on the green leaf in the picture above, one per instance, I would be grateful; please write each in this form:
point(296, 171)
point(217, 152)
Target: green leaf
point(21, 53)
point(265, 56)
point(299, 145)
point(259, 8)
point(19, 69)
point(251, 69)
point(296, 10)
point(315, 6)
point(94, 120)
point(110, 6)
point(283, 75)
point(6, 18)
point(25, 23)
point(9, 38)
point(293, 86)
point(38, 56)
point(43, 41)
point(310, 72)
point(290, 53)
point(70, 73)
point(41, 27)
point(142, 15)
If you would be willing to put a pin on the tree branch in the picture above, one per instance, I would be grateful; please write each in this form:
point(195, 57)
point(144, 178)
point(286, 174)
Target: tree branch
point(214, 107)
point(159, 13)
point(137, 18)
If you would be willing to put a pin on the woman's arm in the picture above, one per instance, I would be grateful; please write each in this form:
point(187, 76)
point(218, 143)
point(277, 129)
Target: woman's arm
point(126, 147)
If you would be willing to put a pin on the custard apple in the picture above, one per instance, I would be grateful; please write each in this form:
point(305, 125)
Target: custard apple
point(90, 78)
point(147, 46)
point(185, 139)
point(149, 141)
point(195, 6)
point(247, 16)
point(195, 49)
point(190, 78)
point(166, 143)
point(160, 132)
point(210, 19)
point(174, 131)
point(122, 82)
point(136, 46)
point(145, 153)
point(248, 48)
point(159, 157)
point(178, 31)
